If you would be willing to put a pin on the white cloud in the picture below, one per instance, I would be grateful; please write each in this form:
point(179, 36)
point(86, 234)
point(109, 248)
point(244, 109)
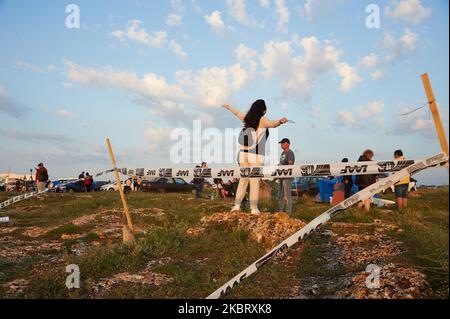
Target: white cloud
point(176, 113)
point(276, 58)
point(176, 5)
point(214, 86)
point(298, 74)
point(264, 3)
point(369, 113)
point(174, 19)
point(246, 55)
point(398, 48)
point(67, 85)
point(177, 49)
point(350, 78)
point(407, 10)
point(216, 22)
point(413, 123)
point(283, 16)
point(237, 9)
point(34, 68)
point(377, 75)
point(2, 91)
point(372, 108)
point(64, 113)
point(344, 118)
point(137, 33)
point(315, 8)
point(158, 139)
point(369, 61)
point(150, 84)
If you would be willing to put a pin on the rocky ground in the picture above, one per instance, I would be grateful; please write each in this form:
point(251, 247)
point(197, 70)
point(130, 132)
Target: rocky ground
point(173, 256)
point(358, 252)
point(347, 246)
point(267, 228)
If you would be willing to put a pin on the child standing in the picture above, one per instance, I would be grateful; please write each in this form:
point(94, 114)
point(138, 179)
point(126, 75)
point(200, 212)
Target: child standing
point(401, 188)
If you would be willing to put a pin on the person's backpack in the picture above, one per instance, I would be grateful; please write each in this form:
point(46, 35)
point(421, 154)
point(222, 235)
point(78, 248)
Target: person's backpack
point(246, 138)
point(43, 175)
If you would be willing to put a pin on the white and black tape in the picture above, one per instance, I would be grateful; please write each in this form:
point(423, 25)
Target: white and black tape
point(366, 193)
point(274, 171)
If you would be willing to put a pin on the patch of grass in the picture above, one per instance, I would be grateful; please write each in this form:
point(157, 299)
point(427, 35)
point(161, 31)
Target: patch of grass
point(201, 264)
point(91, 236)
point(69, 229)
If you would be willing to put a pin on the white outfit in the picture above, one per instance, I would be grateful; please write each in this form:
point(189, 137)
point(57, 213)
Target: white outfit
point(249, 159)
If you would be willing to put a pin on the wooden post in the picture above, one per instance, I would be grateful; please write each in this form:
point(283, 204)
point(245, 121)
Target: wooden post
point(435, 112)
point(128, 236)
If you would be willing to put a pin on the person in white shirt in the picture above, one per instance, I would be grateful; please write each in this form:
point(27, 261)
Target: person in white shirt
point(252, 150)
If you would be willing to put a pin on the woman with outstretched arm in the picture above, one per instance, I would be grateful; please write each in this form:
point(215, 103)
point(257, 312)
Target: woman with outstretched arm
point(252, 151)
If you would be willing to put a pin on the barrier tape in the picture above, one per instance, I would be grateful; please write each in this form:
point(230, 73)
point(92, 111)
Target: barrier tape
point(269, 172)
point(275, 171)
point(22, 197)
point(326, 216)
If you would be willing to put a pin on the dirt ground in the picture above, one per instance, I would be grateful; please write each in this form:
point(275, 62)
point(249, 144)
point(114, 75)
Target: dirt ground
point(187, 248)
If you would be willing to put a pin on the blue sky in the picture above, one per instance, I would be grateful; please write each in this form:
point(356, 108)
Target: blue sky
point(135, 70)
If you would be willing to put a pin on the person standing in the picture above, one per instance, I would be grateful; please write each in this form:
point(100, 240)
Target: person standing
point(80, 182)
point(285, 184)
point(41, 177)
point(88, 182)
point(365, 180)
point(128, 184)
point(252, 150)
point(348, 182)
point(198, 182)
point(138, 183)
point(401, 187)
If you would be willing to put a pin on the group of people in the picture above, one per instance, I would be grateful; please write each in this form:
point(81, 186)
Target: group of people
point(226, 189)
point(132, 184)
point(252, 140)
point(363, 181)
point(85, 182)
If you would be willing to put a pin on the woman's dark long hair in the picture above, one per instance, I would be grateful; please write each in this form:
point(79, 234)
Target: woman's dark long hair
point(255, 113)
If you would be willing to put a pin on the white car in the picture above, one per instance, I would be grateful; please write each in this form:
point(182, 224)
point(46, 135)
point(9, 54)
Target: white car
point(111, 187)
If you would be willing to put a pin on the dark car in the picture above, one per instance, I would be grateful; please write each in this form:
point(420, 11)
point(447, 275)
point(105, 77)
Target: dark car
point(305, 185)
point(78, 187)
point(166, 184)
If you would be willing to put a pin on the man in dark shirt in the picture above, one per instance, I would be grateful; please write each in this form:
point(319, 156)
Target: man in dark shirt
point(348, 182)
point(285, 184)
point(41, 177)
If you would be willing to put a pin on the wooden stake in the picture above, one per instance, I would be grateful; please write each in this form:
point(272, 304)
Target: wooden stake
point(435, 112)
point(127, 233)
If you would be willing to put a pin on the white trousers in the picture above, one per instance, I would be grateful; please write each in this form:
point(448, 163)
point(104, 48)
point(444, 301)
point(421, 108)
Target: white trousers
point(249, 160)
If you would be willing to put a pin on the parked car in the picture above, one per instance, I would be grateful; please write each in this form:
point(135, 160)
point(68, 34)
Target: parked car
point(2, 186)
point(11, 185)
point(59, 185)
point(78, 187)
point(111, 187)
point(305, 185)
point(99, 184)
point(166, 184)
